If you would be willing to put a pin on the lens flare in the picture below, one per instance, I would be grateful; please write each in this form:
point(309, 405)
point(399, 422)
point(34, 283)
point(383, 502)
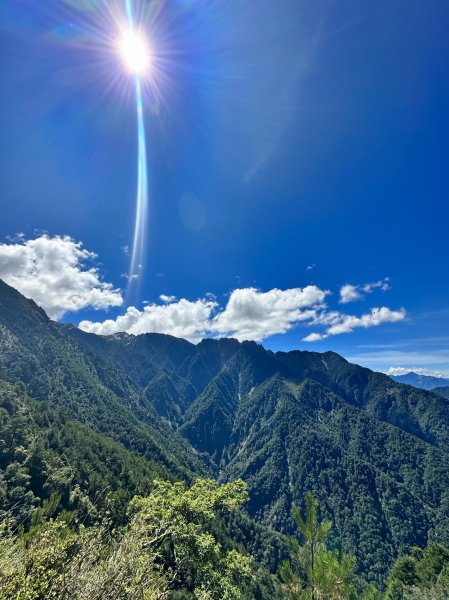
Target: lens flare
point(140, 227)
point(137, 57)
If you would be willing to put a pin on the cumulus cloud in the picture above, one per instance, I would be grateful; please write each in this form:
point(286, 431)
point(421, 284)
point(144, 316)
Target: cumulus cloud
point(167, 299)
point(61, 276)
point(184, 318)
point(350, 293)
point(254, 315)
point(249, 314)
point(314, 337)
point(57, 273)
point(339, 323)
point(375, 317)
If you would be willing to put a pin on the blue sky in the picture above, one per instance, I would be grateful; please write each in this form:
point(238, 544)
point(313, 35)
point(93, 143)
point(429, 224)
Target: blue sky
point(292, 146)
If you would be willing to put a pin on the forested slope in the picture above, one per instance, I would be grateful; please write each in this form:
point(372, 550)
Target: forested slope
point(114, 412)
point(55, 368)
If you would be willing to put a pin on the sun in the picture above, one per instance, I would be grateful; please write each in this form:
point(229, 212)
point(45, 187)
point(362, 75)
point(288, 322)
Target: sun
point(135, 52)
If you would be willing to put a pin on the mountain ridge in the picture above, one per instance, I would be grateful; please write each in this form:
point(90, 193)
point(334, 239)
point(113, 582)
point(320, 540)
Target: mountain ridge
point(425, 382)
point(373, 451)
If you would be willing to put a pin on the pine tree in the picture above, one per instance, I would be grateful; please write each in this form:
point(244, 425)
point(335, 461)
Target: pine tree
point(315, 572)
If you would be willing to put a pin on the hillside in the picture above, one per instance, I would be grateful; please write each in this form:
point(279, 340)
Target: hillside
point(55, 368)
point(442, 391)
point(374, 452)
point(42, 451)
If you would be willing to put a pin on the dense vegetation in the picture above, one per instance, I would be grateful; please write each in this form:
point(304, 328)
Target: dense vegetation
point(168, 549)
point(172, 545)
point(55, 369)
point(423, 575)
point(442, 391)
point(93, 421)
point(43, 451)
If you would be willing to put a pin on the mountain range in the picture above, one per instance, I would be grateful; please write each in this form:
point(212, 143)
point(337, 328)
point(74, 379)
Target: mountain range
point(87, 413)
point(425, 382)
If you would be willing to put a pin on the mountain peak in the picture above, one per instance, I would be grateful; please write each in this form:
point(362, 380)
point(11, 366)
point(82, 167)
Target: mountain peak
point(18, 312)
point(425, 382)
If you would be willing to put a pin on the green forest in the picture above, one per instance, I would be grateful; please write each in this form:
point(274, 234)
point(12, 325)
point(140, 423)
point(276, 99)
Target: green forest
point(149, 467)
point(175, 543)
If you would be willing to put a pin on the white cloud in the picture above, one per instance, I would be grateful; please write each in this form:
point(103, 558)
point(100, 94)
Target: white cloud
point(375, 317)
point(248, 315)
point(326, 317)
point(418, 370)
point(186, 319)
point(254, 315)
point(342, 323)
point(58, 273)
point(314, 337)
point(54, 271)
point(350, 293)
point(167, 299)
point(382, 285)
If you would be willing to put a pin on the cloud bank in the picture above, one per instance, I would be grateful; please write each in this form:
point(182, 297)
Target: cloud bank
point(186, 319)
point(341, 323)
point(61, 276)
point(417, 370)
point(56, 272)
point(248, 315)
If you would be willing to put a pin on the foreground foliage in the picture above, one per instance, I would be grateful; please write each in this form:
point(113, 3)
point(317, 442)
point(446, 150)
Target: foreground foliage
point(423, 575)
point(167, 550)
point(174, 546)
